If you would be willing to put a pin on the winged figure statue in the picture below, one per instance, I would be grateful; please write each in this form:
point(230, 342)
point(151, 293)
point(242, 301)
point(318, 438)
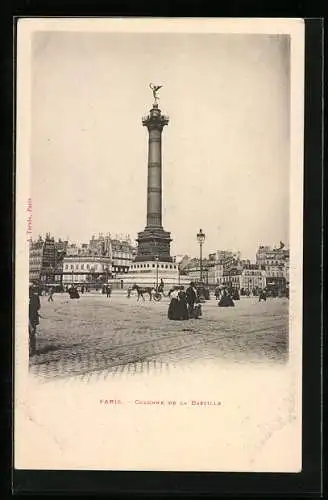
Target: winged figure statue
point(155, 89)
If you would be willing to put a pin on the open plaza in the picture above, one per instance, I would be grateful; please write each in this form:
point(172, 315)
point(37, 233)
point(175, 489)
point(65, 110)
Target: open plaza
point(96, 336)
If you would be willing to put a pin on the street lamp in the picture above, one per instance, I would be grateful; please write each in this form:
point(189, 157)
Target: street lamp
point(156, 258)
point(201, 239)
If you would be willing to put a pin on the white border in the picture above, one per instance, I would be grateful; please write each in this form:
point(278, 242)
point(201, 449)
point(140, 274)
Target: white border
point(25, 29)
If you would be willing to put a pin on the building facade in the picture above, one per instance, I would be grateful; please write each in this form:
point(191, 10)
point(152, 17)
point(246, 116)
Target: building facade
point(55, 262)
point(275, 261)
point(46, 260)
point(272, 257)
point(253, 277)
point(35, 259)
point(209, 270)
point(81, 268)
point(103, 258)
point(122, 253)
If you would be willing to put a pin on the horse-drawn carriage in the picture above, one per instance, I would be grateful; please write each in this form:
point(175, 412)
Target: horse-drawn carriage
point(154, 293)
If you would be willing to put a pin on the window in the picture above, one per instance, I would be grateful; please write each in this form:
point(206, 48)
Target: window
point(166, 266)
point(88, 267)
point(82, 266)
point(162, 266)
point(66, 266)
point(76, 266)
point(171, 266)
point(153, 265)
point(72, 267)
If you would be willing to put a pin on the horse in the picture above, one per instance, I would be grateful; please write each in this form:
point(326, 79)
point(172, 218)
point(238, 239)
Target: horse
point(141, 290)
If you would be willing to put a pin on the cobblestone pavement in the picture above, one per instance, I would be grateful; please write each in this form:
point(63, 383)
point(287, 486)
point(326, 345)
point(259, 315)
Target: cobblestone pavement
point(96, 337)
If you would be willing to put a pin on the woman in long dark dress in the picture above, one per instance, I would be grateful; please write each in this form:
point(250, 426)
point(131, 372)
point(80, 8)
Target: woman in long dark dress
point(183, 313)
point(73, 292)
point(226, 300)
point(173, 311)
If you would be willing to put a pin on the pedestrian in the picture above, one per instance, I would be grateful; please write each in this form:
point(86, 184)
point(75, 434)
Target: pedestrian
point(182, 306)
point(217, 292)
point(108, 291)
point(226, 300)
point(73, 292)
point(262, 295)
point(33, 313)
point(191, 297)
point(161, 286)
point(197, 311)
point(173, 312)
point(51, 293)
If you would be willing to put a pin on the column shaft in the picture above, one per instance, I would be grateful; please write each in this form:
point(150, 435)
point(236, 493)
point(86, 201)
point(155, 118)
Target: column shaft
point(154, 185)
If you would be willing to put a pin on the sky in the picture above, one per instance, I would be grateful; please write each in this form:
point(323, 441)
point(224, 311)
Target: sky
point(226, 149)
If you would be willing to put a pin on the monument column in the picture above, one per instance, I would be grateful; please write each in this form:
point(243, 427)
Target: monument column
point(154, 241)
point(155, 122)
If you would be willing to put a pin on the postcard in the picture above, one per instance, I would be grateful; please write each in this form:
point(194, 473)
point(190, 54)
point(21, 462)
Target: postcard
point(158, 266)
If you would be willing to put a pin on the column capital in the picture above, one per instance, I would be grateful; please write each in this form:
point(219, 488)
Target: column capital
point(155, 119)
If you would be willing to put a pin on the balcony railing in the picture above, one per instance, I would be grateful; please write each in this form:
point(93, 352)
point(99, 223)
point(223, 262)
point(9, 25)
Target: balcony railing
point(149, 118)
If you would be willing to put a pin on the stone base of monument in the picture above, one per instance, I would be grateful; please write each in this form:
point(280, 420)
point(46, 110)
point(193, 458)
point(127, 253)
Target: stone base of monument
point(146, 274)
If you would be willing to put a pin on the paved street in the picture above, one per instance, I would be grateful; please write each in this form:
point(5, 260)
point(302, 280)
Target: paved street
point(99, 337)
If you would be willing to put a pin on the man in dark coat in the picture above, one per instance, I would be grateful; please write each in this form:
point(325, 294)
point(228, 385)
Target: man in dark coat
point(51, 295)
point(33, 313)
point(161, 286)
point(191, 298)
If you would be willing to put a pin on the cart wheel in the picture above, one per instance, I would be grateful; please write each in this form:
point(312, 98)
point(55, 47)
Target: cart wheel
point(157, 297)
